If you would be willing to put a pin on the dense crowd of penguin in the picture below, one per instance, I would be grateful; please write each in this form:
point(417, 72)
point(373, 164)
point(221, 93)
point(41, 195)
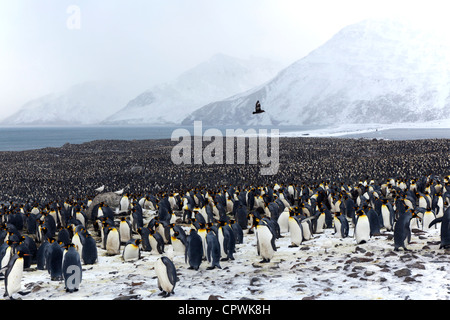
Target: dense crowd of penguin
point(363, 187)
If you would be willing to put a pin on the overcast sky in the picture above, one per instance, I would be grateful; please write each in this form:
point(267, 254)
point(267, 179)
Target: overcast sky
point(48, 45)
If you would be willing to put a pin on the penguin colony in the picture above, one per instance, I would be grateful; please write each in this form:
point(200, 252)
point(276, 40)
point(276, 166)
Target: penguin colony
point(206, 222)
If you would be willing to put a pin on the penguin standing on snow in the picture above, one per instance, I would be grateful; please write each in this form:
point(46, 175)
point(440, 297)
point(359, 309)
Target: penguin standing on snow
point(167, 276)
point(54, 261)
point(295, 230)
point(362, 228)
point(402, 231)
point(125, 230)
point(13, 275)
point(212, 249)
point(131, 251)
point(112, 241)
point(341, 226)
point(194, 250)
point(71, 269)
point(89, 252)
point(265, 242)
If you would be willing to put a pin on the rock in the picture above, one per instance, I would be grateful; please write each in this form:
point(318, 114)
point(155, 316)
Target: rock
point(110, 198)
point(403, 273)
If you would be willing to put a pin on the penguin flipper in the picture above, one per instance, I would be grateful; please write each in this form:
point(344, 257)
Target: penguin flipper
point(432, 223)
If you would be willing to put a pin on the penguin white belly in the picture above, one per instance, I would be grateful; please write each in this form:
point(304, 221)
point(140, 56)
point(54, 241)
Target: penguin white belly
point(163, 278)
point(440, 204)
point(77, 242)
point(422, 202)
point(15, 277)
point(283, 221)
point(320, 223)
point(131, 252)
point(221, 239)
point(426, 220)
point(80, 218)
point(153, 244)
point(385, 213)
point(362, 230)
point(264, 241)
point(337, 227)
point(306, 230)
point(113, 242)
point(296, 232)
point(124, 231)
point(178, 246)
point(202, 234)
point(6, 258)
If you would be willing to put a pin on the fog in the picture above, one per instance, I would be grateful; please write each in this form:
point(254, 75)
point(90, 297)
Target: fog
point(47, 46)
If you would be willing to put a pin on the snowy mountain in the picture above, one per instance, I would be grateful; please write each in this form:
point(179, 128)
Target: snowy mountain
point(376, 71)
point(82, 104)
point(218, 78)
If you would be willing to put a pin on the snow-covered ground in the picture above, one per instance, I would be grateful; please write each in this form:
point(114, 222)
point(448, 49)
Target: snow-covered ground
point(351, 129)
point(325, 268)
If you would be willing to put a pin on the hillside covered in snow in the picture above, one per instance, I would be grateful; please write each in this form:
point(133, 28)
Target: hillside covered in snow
point(375, 71)
point(218, 78)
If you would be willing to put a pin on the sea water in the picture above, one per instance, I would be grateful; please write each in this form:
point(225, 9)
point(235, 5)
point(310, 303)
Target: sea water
point(29, 138)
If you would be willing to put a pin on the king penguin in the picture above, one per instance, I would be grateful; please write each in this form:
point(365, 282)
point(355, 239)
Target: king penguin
point(13, 275)
point(89, 252)
point(71, 269)
point(212, 249)
point(341, 226)
point(54, 261)
point(387, 213)
point(295, 230)
point(362, 228)
point(112, 241)
point(445, 228)
point(178, 241)
point(402, 231)
point(125, 230)
point(131, 251)
point(167, 276)
point(265, 242)
point(194, 250)
point(283, 221)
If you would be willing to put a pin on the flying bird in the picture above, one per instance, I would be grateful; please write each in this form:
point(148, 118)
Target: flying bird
point(258, 108)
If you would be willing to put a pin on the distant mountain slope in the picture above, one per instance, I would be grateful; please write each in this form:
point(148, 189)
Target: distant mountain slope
point(82, 104)
point(376, 71)
point(218, 78)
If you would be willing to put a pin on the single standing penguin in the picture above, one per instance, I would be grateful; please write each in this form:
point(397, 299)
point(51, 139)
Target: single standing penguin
point(194, 250)
point(167, 276)
point(295, 230)
point(402, 231)
point(89, 252)
point(362, 228)
point(341, 226)
point(156, 242)
point(71, 269)
point(265, 242)
point(283, 221)
point(212, 249)
point(54, 261)
point(13, 275)
point(131, 251)
point(178, 241)
point(387, 213)
point(125, 230)
point(112, 241)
